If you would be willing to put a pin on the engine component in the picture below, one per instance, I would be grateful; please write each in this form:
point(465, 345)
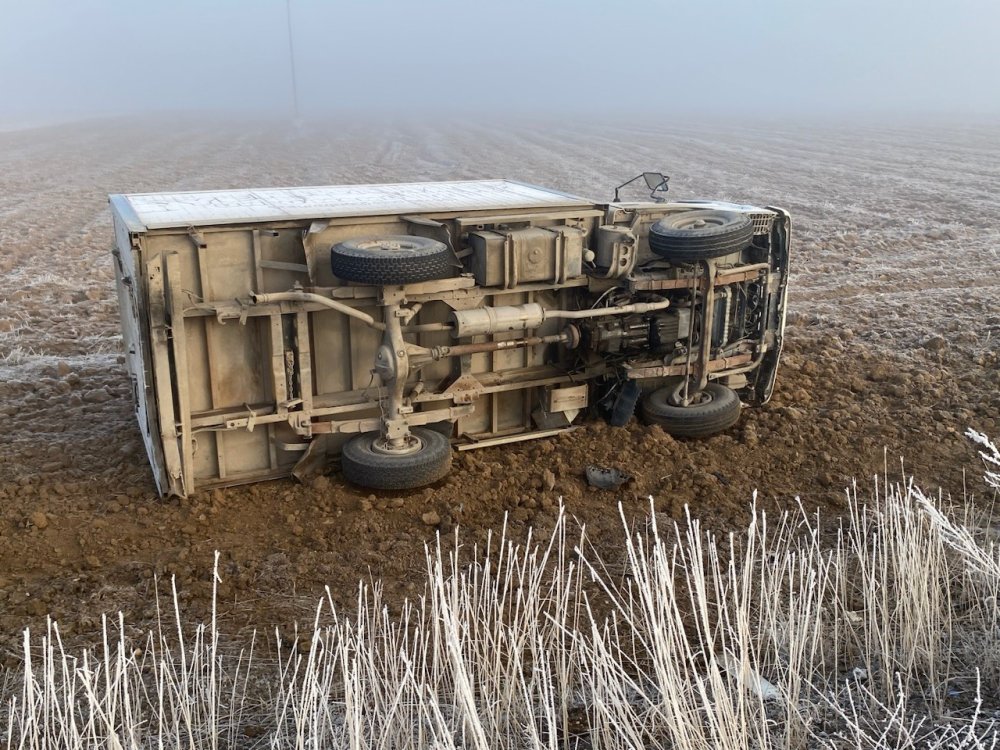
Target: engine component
point(618, 335)
point(484, 320)
point(668, 328)
point(637, 333)
point(516, 256)
point(721, 320)
point(616, 252)
point(754, 308)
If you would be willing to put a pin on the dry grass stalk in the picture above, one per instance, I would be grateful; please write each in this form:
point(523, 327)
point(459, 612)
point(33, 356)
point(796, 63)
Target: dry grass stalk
point(775, 638)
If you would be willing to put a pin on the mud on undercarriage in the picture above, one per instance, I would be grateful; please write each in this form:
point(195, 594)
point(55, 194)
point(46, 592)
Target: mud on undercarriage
point(269, 331)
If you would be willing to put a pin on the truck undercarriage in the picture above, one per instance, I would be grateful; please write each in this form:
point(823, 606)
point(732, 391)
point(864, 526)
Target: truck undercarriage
point(270, 331)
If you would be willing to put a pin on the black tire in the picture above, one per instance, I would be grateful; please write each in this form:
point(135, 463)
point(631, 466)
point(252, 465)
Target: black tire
point(702, 234)
point(624, 406)
point(396, 259)
point(719, 411)
point(367, 467)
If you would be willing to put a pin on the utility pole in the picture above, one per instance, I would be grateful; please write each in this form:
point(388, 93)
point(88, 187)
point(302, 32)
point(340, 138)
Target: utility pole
point(291, 59)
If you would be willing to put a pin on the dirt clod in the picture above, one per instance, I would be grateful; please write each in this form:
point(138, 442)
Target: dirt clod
point(548, 479)
point(98, 396)
point(936, 344)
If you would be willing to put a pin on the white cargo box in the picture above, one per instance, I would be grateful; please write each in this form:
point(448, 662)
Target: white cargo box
point(146, 211)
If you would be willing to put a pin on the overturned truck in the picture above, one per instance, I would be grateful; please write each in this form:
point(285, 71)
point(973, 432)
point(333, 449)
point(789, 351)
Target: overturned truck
point(269, 331)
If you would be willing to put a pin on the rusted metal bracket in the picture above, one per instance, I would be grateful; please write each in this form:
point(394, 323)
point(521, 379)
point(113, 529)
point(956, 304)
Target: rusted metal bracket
point(464, 389)
point(663, 371)
point(373, 424)
point(506, 439)
point(277, 265)
point(661, 281)
point(197, 237)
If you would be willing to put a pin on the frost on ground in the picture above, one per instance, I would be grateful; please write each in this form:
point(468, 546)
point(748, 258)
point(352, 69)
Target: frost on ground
point(892, 345)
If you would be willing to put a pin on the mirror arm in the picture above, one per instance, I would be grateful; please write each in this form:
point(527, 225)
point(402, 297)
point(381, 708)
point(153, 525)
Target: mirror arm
point(662, 187)
point(624, 184)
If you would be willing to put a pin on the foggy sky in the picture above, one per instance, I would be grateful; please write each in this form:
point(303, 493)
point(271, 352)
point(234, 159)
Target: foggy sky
point(628, 60)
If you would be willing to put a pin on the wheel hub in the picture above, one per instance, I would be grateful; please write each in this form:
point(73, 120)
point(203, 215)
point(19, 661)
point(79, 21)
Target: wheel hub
point(693, 399)
point(699, 222)
point(402, 247)
point(400, 447)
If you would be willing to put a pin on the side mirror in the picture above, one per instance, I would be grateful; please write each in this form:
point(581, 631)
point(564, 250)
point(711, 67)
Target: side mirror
point(655, 181)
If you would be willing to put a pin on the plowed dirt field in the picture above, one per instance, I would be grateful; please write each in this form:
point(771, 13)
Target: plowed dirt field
point(891, 352)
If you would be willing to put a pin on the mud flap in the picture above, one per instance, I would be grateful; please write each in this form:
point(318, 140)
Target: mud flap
point(624, 406)
point(314, 461)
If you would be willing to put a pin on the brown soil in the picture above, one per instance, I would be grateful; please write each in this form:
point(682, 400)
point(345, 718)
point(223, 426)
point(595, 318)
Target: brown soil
point(892, 350)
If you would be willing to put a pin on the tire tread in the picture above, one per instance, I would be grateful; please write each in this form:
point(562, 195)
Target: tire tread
point(699, 420)
point(688, 245)
point(367, 266)
point(366, 468)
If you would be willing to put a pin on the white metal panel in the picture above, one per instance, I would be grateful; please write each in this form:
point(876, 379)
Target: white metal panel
point(726, 206)
point(165, 210)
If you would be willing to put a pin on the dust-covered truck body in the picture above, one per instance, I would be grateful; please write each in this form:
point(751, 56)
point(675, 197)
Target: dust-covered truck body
point(270, 332)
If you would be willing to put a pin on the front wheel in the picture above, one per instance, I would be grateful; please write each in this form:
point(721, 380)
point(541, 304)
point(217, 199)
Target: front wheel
point(714, 409)
point(366, 462)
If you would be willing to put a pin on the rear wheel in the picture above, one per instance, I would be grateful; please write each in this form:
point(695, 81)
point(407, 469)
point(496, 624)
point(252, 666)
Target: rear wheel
point(701, 234)
point(366, 462)
point(714, 409)
point(396, 259)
